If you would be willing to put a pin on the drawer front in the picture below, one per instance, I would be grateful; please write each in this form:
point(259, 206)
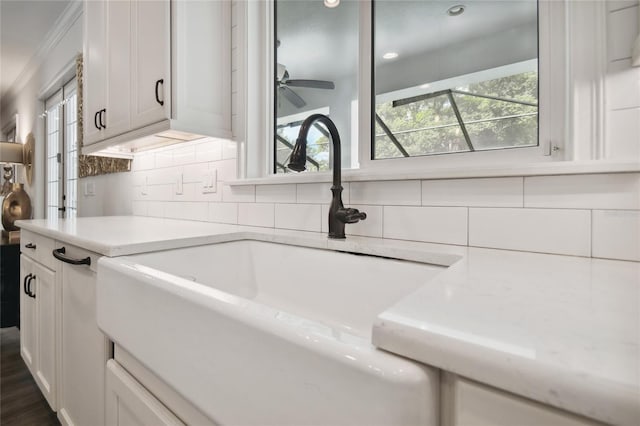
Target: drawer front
point(473, 404)
point(38, 248)
point(128, 403)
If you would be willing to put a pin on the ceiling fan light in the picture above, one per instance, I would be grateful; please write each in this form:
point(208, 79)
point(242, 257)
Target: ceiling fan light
point(456, 10)
point(331, 3)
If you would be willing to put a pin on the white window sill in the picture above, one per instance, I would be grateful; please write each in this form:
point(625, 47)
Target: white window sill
point(538, 169)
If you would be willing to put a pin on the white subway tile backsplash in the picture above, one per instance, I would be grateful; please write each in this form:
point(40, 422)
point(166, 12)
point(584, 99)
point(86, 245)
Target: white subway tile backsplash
point(394, 193)
point(184, 155)
point(302, 217)
point(319, 193)
point(229, 149)
point(192, 173)
point(539, 230)
point(488, 192)
point(211, 150)
point(616, 234)
point(223, 213)
point(143, 162)
point(156, 208)
point(163, 158)
point(256, 214)
point(622, 85)
point(239, 194)
point(601, 191)
point(276, 193)
point(447, 225)
point(140, 208)
point(159, 192)
point(186, 210)
point(622, 29)
point(226, 169)
point(623, 134)
point(371, 226)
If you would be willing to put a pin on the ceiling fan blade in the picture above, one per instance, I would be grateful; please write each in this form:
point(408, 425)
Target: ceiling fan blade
point(313, 84)
point(292, 97)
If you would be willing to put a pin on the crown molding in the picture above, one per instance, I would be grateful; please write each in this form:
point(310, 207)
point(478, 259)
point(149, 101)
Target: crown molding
point(59, 29)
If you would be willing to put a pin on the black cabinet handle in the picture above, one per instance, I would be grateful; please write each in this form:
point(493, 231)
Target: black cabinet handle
point(95, 120)
point(29, 292)
point(24, 284)
point(30, 246)
point(103, 111)
point(60, 255)
point(158, 83)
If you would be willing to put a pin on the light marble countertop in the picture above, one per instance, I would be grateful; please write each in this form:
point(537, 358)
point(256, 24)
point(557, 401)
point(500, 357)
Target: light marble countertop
point(561, 330)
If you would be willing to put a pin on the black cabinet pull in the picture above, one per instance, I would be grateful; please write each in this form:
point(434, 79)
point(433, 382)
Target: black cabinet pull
point(103, 111)
point(30, 246)
point(29, 292)
point(95, 120)
point(60, 255)
point(24, 284)
point(158, 83)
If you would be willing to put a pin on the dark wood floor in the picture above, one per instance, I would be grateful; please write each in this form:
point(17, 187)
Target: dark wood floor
point(21, 402)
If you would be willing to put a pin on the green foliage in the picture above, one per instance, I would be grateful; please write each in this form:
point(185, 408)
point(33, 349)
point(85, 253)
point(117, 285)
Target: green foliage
point(430, 126)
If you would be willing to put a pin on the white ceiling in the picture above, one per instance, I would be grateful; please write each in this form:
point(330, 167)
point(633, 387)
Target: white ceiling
point(24, 25)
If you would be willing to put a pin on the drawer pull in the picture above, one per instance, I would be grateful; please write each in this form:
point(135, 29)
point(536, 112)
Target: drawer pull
point(29, 292)
point(24, 283)
point(30, 246)
point(158, 83)
point(60, 255)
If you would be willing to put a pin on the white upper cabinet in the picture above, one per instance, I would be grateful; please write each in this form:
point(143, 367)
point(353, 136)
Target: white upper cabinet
point(151, 85)
point(155, 70)
point(95, 68)
point(201, 36)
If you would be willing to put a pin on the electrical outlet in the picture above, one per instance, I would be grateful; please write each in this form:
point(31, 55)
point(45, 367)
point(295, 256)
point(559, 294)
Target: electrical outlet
point(145, 187)
point(179, 188)
point(210, 182)
point(89, 189)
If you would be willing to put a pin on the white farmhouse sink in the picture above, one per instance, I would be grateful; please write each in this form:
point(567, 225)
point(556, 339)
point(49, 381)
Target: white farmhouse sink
point(257, 333)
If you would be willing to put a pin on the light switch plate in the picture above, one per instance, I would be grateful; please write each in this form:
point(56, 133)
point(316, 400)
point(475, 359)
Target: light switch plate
point(179, 188)
point(89, 189)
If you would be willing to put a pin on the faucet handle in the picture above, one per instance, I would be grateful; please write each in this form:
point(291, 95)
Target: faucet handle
point(350, 215)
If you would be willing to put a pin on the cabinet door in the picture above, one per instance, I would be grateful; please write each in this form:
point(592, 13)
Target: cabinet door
point(95, 66)
point(27, 316)
point(84, 349)
point(201, 37)
point(128, 403)
point(43, 287)
point(150, 101)
point(118, 79)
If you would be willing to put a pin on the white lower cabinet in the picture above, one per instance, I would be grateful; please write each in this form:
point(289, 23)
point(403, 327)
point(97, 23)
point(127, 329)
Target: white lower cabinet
point(128, 403)
point(84, 350)
point(467, 403)
point(38, 325)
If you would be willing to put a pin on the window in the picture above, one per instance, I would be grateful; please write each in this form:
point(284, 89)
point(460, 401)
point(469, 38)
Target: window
point(475, 113)
point(61, 112)
point(488, 86)
point(318, 149)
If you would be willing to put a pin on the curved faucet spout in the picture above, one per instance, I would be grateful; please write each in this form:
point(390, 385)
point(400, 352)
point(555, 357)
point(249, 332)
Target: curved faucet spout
point(338, 214)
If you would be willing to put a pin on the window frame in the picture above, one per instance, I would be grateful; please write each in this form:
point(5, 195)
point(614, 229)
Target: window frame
point(256, 157)
point(59, 99)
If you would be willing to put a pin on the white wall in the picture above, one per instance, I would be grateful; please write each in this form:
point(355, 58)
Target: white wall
point(26, 99)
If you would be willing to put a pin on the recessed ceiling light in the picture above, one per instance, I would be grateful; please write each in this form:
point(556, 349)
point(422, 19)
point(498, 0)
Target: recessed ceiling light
point(453, 10)
point(331, 3)
point(390, 55)
point(425, 86)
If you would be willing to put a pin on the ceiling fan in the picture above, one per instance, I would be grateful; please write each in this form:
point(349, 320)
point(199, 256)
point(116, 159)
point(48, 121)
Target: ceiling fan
point(285, 84)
